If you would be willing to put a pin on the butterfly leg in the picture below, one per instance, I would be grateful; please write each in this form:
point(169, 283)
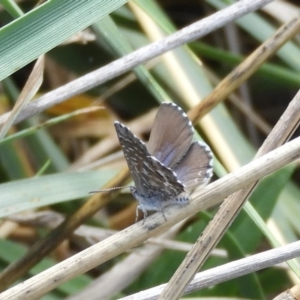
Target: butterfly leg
point(137, 213)
point(163, 214)
point(145, 216)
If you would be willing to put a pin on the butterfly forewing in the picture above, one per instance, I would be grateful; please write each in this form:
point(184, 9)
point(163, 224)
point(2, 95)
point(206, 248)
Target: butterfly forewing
point(195, 169)
point(150, 176)
point(134, 151)
point(171, 134)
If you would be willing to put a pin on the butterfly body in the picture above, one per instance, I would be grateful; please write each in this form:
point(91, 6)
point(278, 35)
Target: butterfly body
point(171, 165)
point(156, 202)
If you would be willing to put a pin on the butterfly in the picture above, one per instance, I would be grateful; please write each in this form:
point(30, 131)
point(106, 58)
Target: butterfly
point(170, 166)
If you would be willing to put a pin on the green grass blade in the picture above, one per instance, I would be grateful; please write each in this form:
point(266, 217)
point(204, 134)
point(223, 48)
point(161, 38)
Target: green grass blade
point(12, 7)
point(35, 192)
point(45, 27)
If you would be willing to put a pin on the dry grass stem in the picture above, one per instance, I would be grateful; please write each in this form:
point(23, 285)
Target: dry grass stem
point(228, 271)
point(134, 235)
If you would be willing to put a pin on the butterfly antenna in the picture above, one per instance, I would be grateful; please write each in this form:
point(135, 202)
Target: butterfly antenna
point(110, 189)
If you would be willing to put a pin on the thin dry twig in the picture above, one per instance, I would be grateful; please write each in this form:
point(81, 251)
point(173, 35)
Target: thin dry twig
point(30, 89)
point(246, 69)
point(244, 108)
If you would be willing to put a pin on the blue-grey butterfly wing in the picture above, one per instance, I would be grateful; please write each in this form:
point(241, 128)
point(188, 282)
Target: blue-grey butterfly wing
point(149, 175)
point(134, 151)
point(195, 169)
point(171, 135)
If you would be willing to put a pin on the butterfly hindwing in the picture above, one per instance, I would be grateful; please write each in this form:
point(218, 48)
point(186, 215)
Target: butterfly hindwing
point(195, 169)
point(171, 134)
